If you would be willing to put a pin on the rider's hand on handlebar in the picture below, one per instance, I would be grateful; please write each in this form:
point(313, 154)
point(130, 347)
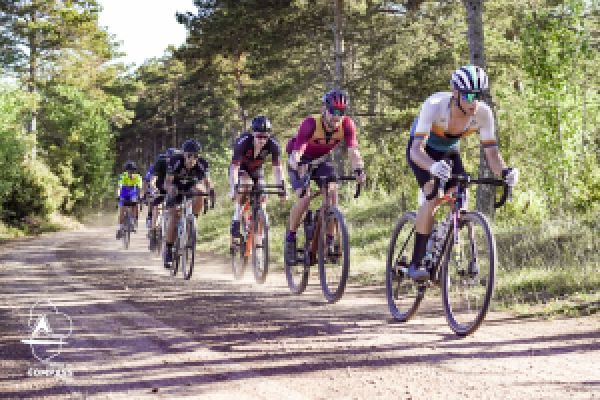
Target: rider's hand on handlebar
point(441, 169)
point(510, 176)
point(360, 175)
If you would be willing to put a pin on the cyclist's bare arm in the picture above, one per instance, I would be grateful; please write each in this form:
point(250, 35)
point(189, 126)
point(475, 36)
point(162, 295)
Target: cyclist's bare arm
point(495, 160)
point(356, 159)
point(207, 184)
point(277, 174)
point(418, 155)
point(234, 170)
point(153, 182)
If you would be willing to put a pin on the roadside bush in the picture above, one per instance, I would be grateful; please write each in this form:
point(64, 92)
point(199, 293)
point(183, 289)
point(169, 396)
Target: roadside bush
point(37, 191)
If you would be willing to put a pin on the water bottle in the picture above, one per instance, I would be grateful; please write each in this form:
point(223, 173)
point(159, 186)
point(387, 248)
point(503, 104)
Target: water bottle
point(429, 247)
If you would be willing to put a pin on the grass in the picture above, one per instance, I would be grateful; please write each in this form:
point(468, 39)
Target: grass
point(552, 267)
point(32, 226)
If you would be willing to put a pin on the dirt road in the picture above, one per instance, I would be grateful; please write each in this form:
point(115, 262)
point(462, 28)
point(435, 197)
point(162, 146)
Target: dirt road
point(139, 333)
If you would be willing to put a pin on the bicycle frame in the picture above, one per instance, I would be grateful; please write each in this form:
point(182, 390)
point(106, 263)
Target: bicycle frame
point(315, 224)
point(253, 201)
point(456, 200)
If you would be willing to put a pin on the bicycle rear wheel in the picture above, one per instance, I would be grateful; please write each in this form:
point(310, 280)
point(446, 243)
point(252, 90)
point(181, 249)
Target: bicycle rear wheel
point(403, 294)
point(260, 247)
point(334, 255)
point(468, 274)
point(297, 270)
point(187, 266)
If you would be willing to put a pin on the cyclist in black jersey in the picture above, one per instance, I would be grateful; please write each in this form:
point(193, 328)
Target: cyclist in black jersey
point(249, 154)
point(185, 172)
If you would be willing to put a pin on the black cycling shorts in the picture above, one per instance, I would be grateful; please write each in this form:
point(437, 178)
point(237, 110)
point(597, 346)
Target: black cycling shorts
point(423, 176)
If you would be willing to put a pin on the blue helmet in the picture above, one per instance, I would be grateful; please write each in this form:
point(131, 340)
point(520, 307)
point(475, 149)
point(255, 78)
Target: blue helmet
point(191, 146)
point(260, 123)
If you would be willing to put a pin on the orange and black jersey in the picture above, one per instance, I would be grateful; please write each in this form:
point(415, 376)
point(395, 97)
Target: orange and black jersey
point(243, 153)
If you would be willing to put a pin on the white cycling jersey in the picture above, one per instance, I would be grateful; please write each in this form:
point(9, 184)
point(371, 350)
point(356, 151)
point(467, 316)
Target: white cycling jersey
point(432, 124)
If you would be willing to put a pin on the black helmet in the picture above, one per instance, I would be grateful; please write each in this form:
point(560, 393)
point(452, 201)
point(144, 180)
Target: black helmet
point(191, 146)
point(336, 99)
point(260, 123)
point(130, 166)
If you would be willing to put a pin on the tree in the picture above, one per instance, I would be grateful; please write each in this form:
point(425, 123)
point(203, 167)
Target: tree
point(33, 33)
point(475, 36)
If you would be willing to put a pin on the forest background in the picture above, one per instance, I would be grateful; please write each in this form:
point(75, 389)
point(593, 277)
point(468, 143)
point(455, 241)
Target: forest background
point(70, 115)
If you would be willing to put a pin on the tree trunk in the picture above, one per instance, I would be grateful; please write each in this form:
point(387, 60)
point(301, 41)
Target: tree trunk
point(338, 79)
point(175, 109)
point(474, 10)
point(33, 53)
point(240, 90)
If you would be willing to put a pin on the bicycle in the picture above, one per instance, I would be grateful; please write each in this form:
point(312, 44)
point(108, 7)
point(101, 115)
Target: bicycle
point(254, 224)
point(466, 279)
point(129, 223)
point(332, 254)
point(184, 248)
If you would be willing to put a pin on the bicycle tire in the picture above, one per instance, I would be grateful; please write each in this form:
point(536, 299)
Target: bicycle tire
point(333, 293)
point(190, 251)
point(296, 273)
point(127, 232)
point(468, 220)
point(159, 240)
point(176, 257)
point(238, 265)
point(393, 275)
point(260, 251)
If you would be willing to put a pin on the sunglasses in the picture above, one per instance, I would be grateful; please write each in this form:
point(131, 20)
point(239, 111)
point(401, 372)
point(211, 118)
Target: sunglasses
point(190, 156)
point(336, 112)
point(470, 97)
point(262, 136)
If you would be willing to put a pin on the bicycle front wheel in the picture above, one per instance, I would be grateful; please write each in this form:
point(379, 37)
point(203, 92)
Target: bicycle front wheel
point(298, 269)
point(159, 240)
point(238, 260)
point(403, 294)
point(176, 257)
point(334, 255)
point(127, 231)
point(260, 250)
point(468, 273)
point(187, 266)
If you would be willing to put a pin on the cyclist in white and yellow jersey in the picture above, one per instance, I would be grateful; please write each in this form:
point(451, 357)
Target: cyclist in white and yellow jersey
point(445, 118)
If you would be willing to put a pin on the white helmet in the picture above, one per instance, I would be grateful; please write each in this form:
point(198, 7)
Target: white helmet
point(469, 78)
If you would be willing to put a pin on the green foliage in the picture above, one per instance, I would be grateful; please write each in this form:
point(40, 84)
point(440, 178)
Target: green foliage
point(13, 107)
point(78, 139)
point(36, 191)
